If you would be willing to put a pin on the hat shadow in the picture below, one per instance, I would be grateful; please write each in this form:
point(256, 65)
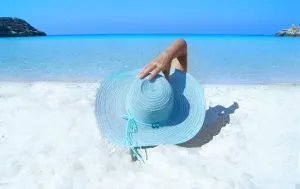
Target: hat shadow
point(178, 81)
point(215, 118)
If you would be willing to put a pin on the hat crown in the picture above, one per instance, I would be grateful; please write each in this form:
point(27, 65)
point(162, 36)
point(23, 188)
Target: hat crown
point(152, 101)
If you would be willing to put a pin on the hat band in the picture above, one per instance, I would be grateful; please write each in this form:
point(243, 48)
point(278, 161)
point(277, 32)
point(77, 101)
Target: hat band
point(132, 128)
point(128, 116)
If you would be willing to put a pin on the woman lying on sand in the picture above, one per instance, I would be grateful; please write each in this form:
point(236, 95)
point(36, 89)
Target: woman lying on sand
point(139, 110)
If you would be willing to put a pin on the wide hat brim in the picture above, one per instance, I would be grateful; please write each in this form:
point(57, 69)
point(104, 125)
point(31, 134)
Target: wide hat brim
point(184, 123)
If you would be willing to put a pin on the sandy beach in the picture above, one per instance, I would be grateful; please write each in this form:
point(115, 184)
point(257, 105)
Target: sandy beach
point(49, 140)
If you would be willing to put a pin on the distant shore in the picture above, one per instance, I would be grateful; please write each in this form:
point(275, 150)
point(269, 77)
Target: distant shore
point(293, 31)
point(16, 27)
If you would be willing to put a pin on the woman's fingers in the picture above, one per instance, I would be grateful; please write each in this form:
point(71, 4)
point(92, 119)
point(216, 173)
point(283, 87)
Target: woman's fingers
point(146, 70)
point(154, 73)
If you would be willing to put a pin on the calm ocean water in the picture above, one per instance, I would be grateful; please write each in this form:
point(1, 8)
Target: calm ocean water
point(213, 59)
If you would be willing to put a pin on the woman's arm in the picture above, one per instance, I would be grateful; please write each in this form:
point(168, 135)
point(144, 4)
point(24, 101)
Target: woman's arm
point(179, 50)
point(163, 62)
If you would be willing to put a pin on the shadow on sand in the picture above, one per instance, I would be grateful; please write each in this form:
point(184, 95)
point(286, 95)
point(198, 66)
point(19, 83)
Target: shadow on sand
point(215, 118)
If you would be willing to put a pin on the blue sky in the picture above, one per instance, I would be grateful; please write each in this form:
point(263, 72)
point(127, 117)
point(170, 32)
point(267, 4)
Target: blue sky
point(164, 16)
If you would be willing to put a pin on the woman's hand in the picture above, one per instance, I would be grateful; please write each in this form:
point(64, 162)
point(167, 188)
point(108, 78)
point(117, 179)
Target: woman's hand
point(160, 63)
point(163, 62)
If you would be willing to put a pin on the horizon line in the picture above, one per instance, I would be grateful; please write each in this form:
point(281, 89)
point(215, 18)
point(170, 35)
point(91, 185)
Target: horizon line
point(162, 34)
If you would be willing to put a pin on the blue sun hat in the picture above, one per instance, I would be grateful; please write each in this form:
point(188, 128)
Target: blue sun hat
point(134, 112)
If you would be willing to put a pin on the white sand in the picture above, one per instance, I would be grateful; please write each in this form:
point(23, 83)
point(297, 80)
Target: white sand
point(49, 140)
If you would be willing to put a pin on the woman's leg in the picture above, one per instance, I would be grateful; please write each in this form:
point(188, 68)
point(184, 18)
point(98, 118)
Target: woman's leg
point(133, 154)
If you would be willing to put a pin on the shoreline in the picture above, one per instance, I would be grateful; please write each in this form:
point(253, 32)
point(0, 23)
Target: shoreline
point(100, 81)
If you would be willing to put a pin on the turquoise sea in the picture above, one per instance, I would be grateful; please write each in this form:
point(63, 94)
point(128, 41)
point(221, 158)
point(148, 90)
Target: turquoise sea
point(213, 59)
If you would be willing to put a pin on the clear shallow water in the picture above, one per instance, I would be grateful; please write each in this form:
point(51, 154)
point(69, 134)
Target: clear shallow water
point(212, 59)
